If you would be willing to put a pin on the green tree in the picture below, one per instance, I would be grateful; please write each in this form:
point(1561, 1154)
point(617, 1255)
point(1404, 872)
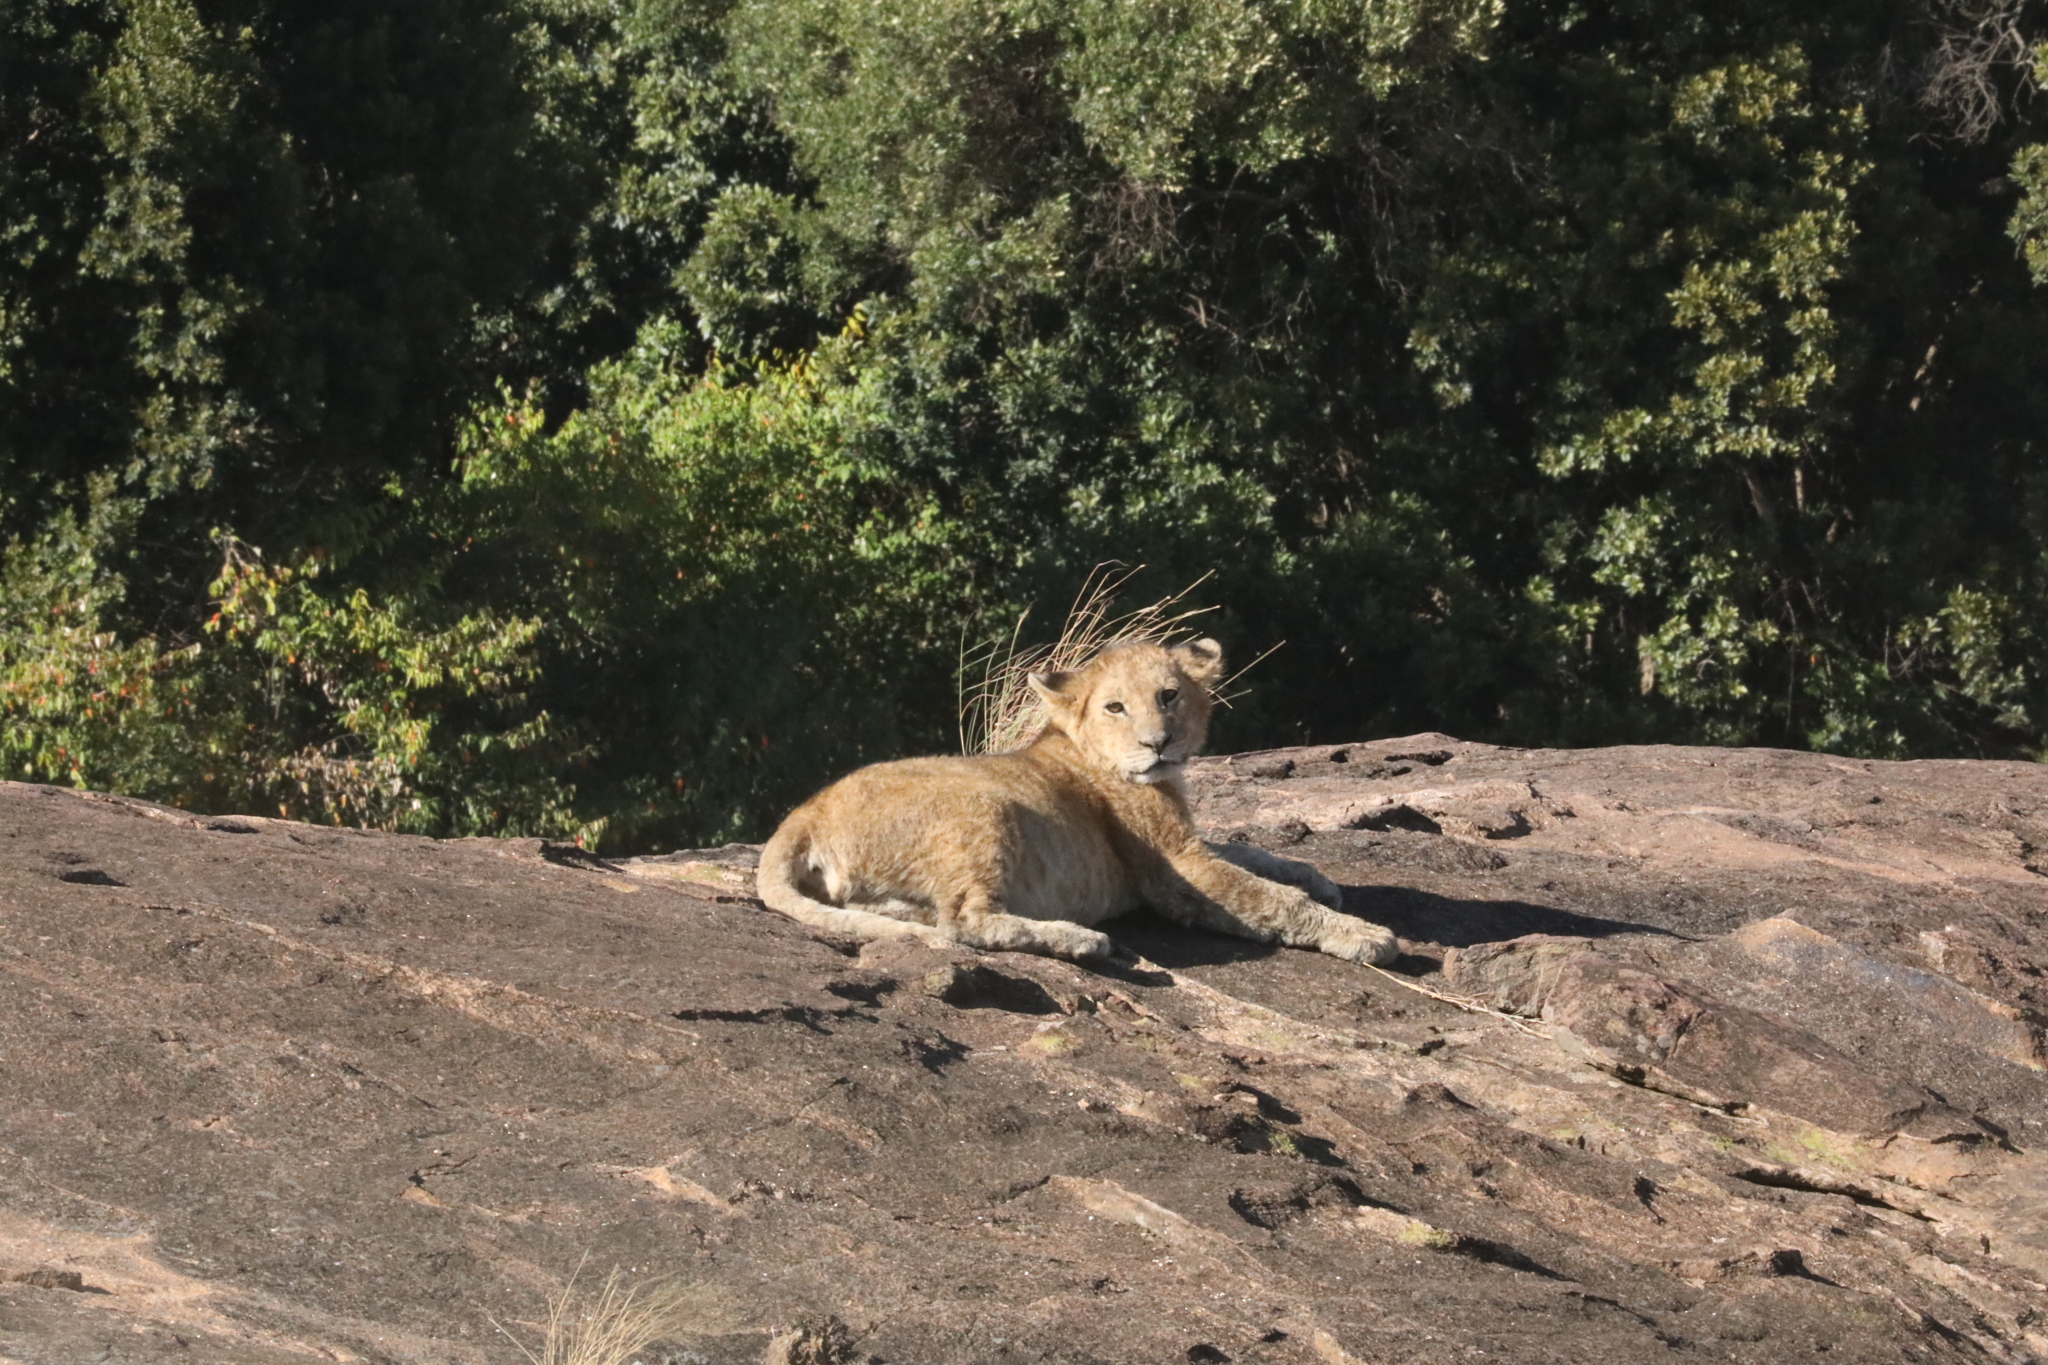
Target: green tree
point(1562, 375)
point(1662, 371)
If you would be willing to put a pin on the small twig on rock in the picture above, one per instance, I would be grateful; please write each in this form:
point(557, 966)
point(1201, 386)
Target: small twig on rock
point(1463, 1002)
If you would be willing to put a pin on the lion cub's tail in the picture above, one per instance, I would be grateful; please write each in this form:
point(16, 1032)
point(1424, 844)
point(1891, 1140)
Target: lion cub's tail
point(786, 863)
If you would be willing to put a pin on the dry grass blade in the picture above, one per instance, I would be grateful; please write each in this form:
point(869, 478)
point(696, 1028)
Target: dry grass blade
point(1001, 713)
point(615, 1324)
point(1223, 693)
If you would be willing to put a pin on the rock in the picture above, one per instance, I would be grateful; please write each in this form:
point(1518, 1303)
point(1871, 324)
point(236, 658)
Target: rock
point(2007, 968)
point(1764, 1088)
point(1975, 1021)
point(1674, 1036)
point(1523, 975)
point(44, 1278)
point(826, 1342)
point(982, 987)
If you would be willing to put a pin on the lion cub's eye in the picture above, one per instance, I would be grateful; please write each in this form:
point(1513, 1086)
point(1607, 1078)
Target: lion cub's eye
point(1115, 708)
point(1166, 697)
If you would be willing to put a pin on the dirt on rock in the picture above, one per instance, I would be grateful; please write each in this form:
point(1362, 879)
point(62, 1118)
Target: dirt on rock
point(1715, 1055)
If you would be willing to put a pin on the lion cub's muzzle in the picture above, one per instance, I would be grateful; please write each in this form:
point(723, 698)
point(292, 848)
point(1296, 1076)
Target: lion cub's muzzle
point(1151, 763)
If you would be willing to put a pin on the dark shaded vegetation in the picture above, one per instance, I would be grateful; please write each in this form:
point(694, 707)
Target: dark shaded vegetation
point(611, 419)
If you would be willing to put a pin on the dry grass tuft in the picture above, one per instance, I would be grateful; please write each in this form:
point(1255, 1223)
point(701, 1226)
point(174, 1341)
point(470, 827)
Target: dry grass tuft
point(616, 1323)
point(1001, 713)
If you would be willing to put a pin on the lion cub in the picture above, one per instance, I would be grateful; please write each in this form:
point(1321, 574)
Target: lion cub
point(1023, 851)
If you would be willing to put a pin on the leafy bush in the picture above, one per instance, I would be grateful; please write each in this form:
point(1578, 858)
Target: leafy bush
point(78, 705)
point(332, 708)
point(740, 596)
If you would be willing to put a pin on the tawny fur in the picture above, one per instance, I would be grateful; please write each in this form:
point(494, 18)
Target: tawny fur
point(1026, 851)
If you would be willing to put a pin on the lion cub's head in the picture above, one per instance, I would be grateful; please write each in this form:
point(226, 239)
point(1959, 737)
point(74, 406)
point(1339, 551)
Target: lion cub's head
point(1140, 710)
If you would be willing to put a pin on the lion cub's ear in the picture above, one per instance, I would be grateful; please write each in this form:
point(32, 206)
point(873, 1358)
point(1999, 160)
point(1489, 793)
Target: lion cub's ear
point(1056, 691)
point(1201, 660)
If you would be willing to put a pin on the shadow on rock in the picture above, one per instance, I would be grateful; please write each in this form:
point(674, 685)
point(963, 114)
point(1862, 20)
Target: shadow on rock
point(1424, 917)
point(1176, 946)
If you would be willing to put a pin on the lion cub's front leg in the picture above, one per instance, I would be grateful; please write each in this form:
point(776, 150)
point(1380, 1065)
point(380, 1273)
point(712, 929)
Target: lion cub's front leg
point(1287, 871)
point(1200, 888)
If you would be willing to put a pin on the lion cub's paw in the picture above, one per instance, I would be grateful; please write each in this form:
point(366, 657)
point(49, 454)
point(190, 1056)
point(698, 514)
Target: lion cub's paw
point(1090, 948)
point(1362, 941)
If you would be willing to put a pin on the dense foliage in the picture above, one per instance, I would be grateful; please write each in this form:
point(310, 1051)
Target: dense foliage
point(613, 417)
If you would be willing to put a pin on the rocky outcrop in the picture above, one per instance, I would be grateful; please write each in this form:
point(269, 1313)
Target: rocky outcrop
point(1700, 1054)
point(1674, 1037)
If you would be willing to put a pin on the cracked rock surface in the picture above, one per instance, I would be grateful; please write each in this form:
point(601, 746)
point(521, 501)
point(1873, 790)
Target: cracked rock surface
point(1715, 1055)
